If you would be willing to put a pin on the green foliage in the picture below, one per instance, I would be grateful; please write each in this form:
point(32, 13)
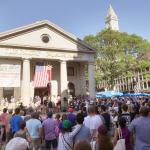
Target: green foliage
point(118, 54)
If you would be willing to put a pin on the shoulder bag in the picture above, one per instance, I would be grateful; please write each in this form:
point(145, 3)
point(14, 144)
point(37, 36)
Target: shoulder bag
point(121, 142)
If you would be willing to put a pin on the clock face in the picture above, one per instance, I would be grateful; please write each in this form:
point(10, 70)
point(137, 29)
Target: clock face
point(45, 38)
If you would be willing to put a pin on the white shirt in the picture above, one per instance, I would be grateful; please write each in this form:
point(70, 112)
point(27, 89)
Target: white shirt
point(93, 122)
point(33, 126)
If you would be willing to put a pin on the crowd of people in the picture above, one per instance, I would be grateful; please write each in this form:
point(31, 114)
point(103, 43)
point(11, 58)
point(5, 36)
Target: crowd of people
point(82, 124)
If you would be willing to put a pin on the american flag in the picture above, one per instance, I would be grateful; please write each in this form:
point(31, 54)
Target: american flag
point(42, 75)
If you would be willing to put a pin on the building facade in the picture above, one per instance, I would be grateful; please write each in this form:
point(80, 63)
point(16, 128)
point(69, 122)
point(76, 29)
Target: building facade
point(139, 82)
point(21, 49)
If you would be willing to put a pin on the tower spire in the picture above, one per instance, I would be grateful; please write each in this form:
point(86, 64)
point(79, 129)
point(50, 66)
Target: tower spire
point(112, 19)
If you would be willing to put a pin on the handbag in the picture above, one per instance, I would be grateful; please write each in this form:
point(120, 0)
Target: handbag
point(93, 144)
point(57, 131)
point(121, 142)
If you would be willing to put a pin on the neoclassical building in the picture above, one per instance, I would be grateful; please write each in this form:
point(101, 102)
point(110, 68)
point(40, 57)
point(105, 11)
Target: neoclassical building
point(22, 48)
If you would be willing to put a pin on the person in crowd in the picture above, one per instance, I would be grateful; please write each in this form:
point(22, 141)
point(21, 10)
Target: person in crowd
point(106, 116)
point(140, 127)
point(82, 145)
point(63, 117)
point(57, 117)
point(84, 132)
point(49, 126)
point(23, 133)
point(50, 106)
point(131, 109)
point(126, 114)
point(9, 134)
point(22, 114)
point(17, 143)
point(71, 116)
point(114, 117)
point(34, 128)
point(2, 133)
point(92, 121)
point(58, 104)
point(45, 103)
point(66, 136)
point(15, 121)
point(123, 130)
point(103, 141)
point(84, 112)
point(4, 119)
point(58, 123)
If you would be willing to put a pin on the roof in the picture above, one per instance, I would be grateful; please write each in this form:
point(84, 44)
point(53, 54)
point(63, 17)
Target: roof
point(111, 13)
point(40, 24)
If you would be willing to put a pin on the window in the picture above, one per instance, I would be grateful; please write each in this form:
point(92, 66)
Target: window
point(70, 71)
point(145, 85)
point(149, 84)
point(45, 38)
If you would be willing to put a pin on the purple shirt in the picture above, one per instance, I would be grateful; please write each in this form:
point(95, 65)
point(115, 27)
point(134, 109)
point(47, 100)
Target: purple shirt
point(49, 126)
point(126, 136)
point(72, 118)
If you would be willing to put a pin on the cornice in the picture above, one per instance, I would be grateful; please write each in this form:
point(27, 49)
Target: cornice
point(29, 47)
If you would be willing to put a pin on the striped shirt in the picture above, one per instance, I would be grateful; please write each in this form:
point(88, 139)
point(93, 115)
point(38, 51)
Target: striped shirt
point(65, 141)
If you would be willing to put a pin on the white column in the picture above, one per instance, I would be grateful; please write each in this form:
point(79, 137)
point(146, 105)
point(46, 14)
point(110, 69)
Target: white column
point(82, 79)
point(91, 79)
point(25, 90)
point(63, 78)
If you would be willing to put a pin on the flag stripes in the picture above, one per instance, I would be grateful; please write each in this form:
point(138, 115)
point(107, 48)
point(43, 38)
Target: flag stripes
point(42, 75)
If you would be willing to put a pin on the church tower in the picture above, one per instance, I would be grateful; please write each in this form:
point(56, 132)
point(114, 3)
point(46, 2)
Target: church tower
point(112, 20)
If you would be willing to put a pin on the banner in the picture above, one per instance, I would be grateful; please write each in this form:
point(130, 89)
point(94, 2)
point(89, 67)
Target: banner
point(10, 73)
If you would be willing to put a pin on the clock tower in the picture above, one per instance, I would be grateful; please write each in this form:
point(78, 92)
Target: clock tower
point(112, 19)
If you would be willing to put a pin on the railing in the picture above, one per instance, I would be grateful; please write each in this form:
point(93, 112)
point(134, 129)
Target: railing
point(140, 82)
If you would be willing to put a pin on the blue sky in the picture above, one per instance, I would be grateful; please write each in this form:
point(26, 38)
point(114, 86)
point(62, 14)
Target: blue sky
point(79, 17)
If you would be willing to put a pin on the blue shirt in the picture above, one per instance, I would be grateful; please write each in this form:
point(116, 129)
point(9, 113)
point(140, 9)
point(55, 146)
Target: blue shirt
point(141, 127)
point(15, 123)
point(83, 134)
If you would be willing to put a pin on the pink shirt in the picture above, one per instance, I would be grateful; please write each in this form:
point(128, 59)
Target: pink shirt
point(4, 118)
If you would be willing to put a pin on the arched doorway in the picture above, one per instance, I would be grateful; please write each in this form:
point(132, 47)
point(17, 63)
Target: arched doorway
point(71, 89)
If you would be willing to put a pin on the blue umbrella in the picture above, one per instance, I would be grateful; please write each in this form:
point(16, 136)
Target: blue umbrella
point(135, 94)
point(108, 94)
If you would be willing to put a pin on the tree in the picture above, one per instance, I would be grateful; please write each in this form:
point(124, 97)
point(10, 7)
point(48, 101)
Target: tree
point(118, 54)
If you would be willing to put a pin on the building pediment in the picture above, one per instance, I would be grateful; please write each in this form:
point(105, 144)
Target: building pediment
point(43, 35)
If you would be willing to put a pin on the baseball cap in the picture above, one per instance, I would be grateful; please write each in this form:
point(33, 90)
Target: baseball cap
point(70, 110)
point(66, 124)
